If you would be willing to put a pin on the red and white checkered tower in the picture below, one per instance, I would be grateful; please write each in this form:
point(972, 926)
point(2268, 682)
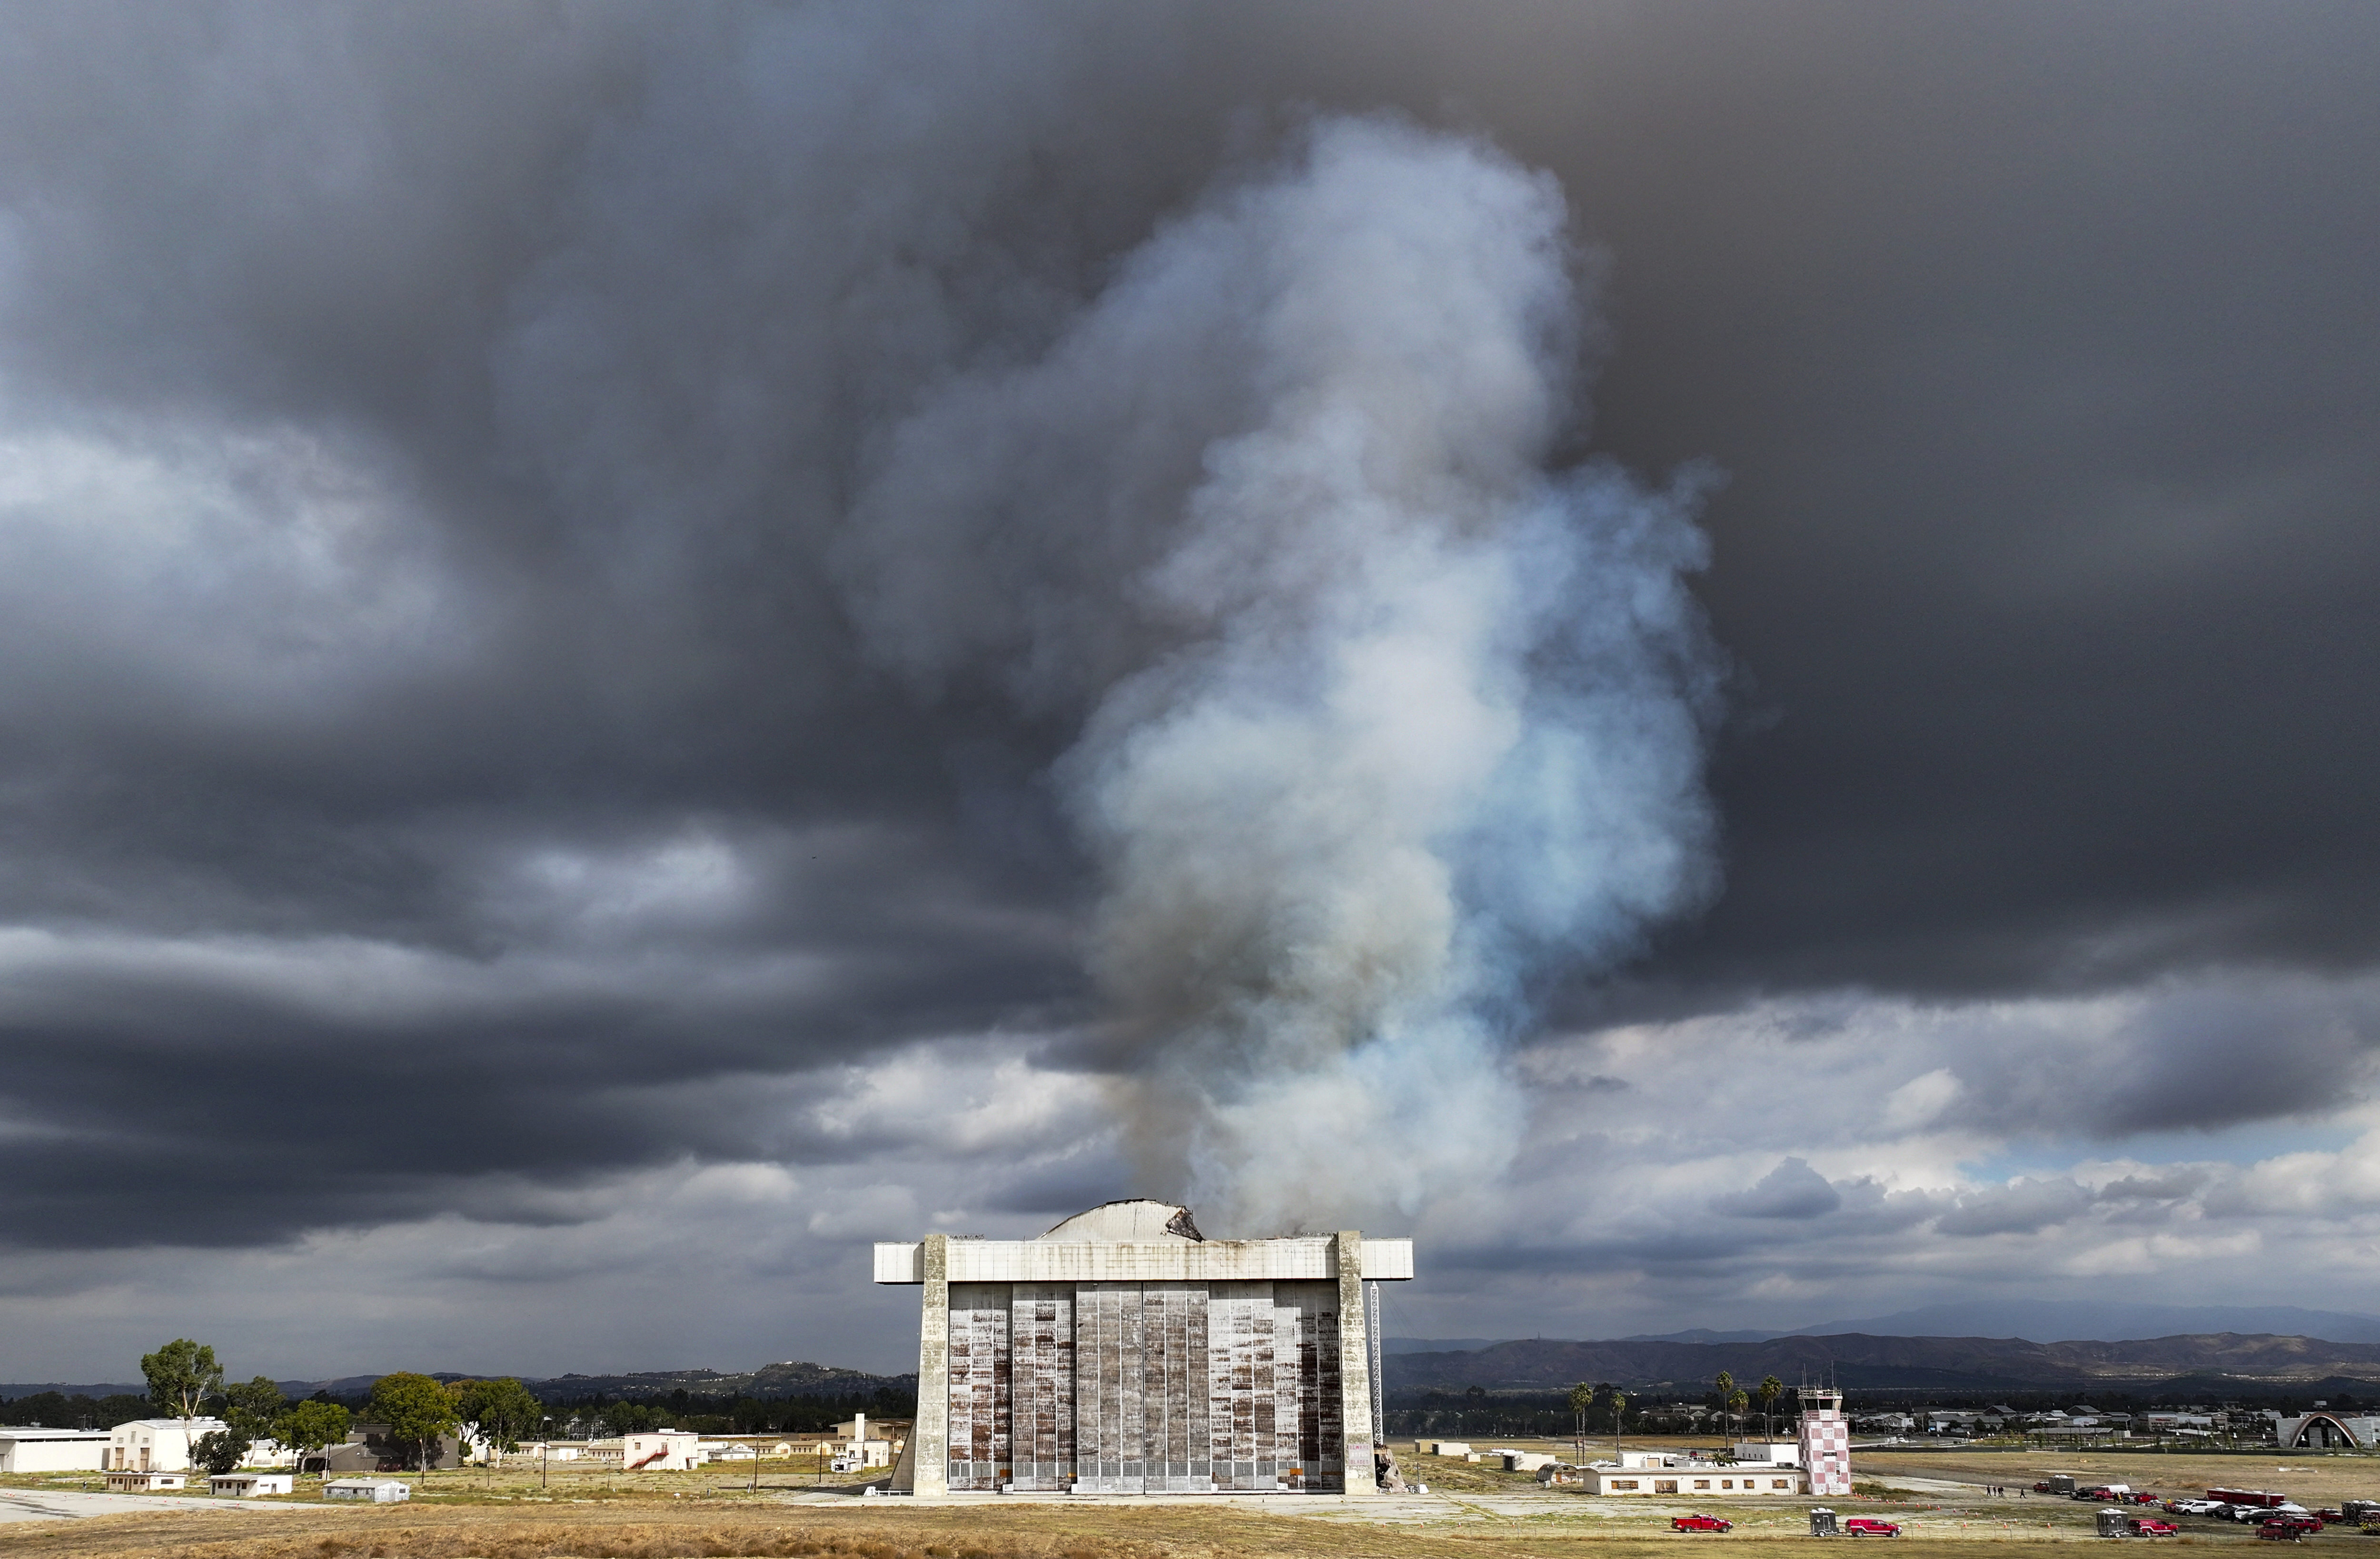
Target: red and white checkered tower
point(1825, 1440)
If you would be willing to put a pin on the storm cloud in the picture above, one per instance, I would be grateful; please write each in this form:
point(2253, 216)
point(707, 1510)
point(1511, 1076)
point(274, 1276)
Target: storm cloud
point(573, 586)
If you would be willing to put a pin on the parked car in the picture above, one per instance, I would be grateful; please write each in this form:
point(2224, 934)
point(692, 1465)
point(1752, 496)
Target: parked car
point(1700, 1524)
point(1869, 1527)
point(2303, 1521)
point(2144, 1497)
point(2279, 1531)
point(2149, 1527)
point(2041, 1488)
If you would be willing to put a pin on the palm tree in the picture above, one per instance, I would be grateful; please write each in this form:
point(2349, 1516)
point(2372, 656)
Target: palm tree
point(1618, 1406)
point(1770, 1390)
point(1737, 1403)
point(1582, 1397)
point(1726, 1384)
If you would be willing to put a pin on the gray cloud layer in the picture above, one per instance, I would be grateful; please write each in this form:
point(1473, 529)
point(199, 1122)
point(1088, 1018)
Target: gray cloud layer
point(445, 759)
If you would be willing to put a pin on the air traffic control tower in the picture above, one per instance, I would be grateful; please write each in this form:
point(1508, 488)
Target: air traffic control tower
point(1124, 1353)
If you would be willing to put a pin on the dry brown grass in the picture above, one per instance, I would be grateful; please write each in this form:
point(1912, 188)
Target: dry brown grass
point(1029, 1533)
point(597, 1516)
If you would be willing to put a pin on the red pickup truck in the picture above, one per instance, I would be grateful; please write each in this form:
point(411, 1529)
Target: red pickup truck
point(1869, 1527)
point(2149, 1527)
point(1699, 1524)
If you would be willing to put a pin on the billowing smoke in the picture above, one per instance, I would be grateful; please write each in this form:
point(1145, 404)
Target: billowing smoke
point(1381, 719)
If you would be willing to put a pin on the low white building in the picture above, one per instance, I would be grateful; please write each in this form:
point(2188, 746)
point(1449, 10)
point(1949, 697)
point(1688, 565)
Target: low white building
point(156, 1444)
point(248, 1485)
point(1673, 1475)
point(1768, 1453)
point(856, 1449)
point(751, 1450)
point(141, 1483)
point(551, 1450)
point(378, 1490)
point(661, 1450)
point(53, 1450)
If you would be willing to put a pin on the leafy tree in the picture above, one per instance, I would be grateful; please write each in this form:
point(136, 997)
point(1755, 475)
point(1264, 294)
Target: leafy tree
point(634, 1418)
point(181, 1376)
point(120, 1406)
point(220, 1451)
point(416, 1410)
point(249, 1408)
point(503, 1410)
point(313, 1425)
point(1771, 1388)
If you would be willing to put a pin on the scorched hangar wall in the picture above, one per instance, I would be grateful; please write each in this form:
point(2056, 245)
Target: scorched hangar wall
point(1122, 1353)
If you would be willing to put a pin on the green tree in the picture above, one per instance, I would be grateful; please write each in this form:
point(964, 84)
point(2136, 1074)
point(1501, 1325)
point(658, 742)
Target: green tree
point(1771, 1388)
point(220, 1451)
point(1725, 1389)
point(502, 1412)
point(181, 1376)
point(416, 1410)
point(1737, 1402)
point(313, 1426)
point(249, 1408)
point(1618, 1406)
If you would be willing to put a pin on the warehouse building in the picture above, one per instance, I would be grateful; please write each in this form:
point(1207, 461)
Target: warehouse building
point(53, 1450)
point(1124, 1353)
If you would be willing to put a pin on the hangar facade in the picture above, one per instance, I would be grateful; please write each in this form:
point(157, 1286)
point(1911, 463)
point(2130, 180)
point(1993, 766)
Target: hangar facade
point(1124, 1353)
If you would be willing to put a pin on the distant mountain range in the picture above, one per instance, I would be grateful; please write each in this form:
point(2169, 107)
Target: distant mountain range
point(2039, 1321)
point(2049, 1321)
point(1861, 1362)
point(793, 1378)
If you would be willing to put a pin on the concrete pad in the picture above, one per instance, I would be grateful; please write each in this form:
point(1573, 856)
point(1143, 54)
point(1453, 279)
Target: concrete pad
point(72, 1505)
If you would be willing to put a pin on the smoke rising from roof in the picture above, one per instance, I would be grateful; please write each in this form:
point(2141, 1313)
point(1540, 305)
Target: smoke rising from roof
point(1383, 716)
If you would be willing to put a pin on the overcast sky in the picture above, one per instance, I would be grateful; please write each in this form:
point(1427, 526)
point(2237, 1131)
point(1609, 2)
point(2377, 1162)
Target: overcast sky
point(1721, 657)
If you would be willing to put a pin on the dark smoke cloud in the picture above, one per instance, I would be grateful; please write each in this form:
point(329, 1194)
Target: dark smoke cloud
point(449, 754)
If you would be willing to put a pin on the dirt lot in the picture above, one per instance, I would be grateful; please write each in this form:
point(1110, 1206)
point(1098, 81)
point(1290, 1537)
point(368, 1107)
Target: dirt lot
point(2314, 1481)
point(1476, 1513)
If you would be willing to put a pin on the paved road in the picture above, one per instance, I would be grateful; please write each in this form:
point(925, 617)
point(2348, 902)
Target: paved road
point(70, 1504)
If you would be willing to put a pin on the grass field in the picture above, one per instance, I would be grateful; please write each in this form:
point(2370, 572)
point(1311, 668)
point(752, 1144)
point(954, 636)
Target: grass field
point(1473, 1511)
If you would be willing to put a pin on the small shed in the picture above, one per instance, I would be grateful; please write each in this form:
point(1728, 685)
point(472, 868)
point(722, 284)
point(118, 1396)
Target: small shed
point(2111, 1524)
point(1822, 1522)
point(140, 1483)
point(378, 1490)
point(248, 1485)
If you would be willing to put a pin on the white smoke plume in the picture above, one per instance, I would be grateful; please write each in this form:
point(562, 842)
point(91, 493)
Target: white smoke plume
point(1381, 719)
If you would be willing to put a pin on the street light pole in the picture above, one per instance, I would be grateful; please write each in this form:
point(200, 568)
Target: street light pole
point(545, 1449)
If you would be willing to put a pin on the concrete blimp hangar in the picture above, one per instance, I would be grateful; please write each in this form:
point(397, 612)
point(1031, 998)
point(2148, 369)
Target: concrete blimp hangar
point(1124, 1353)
